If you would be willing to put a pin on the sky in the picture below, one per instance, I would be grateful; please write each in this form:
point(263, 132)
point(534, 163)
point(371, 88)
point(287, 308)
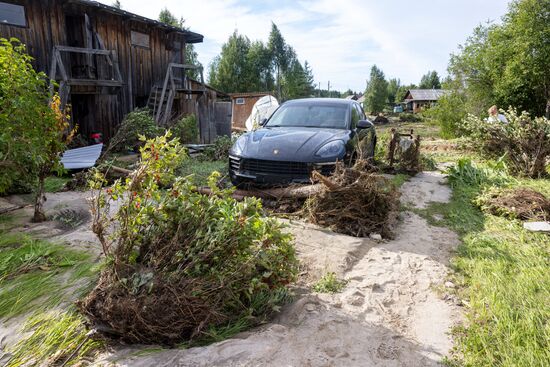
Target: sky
point(340, 39)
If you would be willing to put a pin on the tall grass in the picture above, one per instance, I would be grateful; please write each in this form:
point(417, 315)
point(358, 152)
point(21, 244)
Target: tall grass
point(56, 339)
point(505, 278)
point(38, 278)
point(30, 273)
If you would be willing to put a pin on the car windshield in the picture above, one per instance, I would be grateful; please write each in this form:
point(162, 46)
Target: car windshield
point(310, 115)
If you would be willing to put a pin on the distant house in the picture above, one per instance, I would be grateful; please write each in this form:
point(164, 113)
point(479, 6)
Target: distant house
point(241, 107)
point(417, 99)
point(353, 97)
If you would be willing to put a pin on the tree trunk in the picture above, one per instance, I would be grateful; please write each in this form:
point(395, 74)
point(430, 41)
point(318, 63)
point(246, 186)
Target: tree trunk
point(39, 215)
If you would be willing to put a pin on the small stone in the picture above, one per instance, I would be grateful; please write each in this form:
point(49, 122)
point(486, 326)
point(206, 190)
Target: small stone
point(449, 285)
point(310, 307)
point(376, 236)
point(537, 226)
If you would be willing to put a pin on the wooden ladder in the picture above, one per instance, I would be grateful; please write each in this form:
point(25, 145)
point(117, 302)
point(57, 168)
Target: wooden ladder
point(163, 110)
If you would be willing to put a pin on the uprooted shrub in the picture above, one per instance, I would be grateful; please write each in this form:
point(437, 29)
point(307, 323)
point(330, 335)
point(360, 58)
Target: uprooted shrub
point(181, 264)
point(525, 141)
point(515, 203)
point(354, 202)
point(186, 129)
point(137, 123)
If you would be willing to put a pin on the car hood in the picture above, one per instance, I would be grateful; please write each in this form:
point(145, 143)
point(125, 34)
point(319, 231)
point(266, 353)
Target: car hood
point(290, 144)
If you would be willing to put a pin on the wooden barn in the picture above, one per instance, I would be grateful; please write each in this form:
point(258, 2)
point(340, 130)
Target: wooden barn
point(107, 62)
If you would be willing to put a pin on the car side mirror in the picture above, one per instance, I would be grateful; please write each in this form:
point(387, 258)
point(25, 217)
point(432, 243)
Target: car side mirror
point(364, 124)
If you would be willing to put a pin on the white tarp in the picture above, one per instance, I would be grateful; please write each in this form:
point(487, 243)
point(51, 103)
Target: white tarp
point(81, 157)
point(261, 110)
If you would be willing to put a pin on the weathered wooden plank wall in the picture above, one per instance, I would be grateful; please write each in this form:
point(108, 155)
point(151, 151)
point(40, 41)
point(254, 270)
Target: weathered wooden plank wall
point(140, 67)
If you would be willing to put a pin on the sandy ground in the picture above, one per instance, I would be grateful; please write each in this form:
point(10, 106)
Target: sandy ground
point(394, 310)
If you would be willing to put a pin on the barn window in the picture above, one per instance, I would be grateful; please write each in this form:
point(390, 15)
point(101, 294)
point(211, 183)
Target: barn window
point(239, 101)
point(12, 14)
point(140, 39)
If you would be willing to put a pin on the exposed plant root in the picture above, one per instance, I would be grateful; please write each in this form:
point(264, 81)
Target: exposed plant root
point(520, 203)
point(354, 202)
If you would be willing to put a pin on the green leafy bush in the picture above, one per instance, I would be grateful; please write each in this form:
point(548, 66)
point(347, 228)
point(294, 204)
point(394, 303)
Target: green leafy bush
point(469, 173)
point(186, 129)
point(410, 117)
point(33, 131)
point(182, 263)
point(448, 114)
point(523, 141)
point(136, 123)
point(219, 151)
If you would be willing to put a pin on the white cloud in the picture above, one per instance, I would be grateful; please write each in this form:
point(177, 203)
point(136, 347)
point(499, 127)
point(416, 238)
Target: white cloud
point(340, 39)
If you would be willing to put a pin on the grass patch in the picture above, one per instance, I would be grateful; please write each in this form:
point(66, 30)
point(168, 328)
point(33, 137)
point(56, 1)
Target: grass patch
point(34, 278)
point(57, 338)
point(55, 183)
point(201, 169)
point(399, 179)
point(329, 283)
point(31, 270)
point(503, 271)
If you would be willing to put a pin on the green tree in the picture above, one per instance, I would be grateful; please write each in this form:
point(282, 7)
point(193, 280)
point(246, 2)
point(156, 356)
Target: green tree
point(377, 91)
point(507, 64)
point(310, 80)
point(231, 71)
point(393, 86)
point(295, 83)
point(430, 81)
point(191, 55)
point(448, 113)
point(260, 77)
point(33, 133)
point(281, 55)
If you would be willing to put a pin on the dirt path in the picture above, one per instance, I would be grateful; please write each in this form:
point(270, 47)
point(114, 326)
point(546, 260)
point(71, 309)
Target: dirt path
point(393, 311)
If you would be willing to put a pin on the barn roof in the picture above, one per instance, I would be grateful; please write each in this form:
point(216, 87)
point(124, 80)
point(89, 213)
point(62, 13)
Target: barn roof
point(190, 37)
point(424, 94)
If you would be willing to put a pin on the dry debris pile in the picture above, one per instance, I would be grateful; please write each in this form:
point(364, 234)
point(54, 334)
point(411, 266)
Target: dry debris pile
point(518, 203)
point(354, 202)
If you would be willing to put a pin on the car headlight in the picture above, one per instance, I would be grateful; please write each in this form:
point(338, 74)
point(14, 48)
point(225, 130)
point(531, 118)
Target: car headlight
point(333, 149)
point(239, 145)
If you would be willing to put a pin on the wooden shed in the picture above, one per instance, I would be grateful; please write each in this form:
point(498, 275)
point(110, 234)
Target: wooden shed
point(241, 107)
point(107, 61)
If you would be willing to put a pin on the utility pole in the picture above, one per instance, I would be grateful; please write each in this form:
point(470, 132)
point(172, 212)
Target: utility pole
point(319, 89)
point(328, 89)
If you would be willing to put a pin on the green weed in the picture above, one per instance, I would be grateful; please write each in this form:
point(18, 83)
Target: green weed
point(329, 283)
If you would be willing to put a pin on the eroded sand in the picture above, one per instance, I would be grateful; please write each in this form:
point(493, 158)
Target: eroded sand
point(390, 313)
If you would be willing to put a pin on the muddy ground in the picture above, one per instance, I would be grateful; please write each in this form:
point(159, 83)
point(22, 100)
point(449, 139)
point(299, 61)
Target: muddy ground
point(394, 311)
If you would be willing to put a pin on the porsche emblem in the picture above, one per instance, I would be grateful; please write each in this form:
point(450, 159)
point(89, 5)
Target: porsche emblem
point(275, 151)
